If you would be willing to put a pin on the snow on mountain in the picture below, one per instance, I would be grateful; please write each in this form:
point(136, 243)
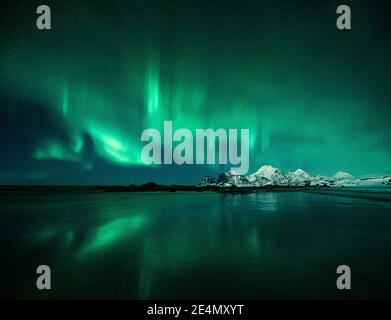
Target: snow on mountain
point(235, 179)
point(300, 173)
point(268, 175)
point(343, 175)
point(320, 181)
point(364, 182)
point(298, 178)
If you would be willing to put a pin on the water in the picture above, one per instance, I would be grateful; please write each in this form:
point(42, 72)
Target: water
point(186, 245)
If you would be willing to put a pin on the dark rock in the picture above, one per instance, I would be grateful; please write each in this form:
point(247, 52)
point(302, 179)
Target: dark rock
point(222, 178)
point(206, 181)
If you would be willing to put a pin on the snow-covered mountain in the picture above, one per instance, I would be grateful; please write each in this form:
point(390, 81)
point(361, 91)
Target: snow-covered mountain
point(343, 175)
point(268, 175)
point(298, 178)
point(235, 179)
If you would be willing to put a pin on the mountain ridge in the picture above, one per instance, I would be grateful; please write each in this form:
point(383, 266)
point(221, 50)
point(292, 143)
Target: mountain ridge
point(267, 175)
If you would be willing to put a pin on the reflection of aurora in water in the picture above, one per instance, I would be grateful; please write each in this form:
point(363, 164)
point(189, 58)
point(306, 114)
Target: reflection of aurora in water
point(112, 232)
point(152, 240)
point(151, 245)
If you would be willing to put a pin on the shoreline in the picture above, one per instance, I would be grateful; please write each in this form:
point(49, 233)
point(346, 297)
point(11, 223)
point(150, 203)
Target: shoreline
point(153, 187)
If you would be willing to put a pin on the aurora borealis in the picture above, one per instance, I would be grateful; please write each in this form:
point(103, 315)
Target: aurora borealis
point(74, 100)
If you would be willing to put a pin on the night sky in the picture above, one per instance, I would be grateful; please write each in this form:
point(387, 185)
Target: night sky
point(75, 99)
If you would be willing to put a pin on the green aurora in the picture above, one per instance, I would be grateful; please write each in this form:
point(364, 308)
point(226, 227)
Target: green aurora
point(313, 96)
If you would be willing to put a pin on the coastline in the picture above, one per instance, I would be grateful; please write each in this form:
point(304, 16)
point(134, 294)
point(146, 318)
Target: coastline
point(154, 187)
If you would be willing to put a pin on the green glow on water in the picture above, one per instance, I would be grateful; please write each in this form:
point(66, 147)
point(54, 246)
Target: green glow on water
point(46, 234)
point(112, 232)
point(69, 238)
point(192, 245)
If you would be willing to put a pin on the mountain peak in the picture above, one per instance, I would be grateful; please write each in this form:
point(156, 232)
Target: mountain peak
point(301, 173)
point(266, 167)
point(343, 175)
point(267, 174)
point(267, 171)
